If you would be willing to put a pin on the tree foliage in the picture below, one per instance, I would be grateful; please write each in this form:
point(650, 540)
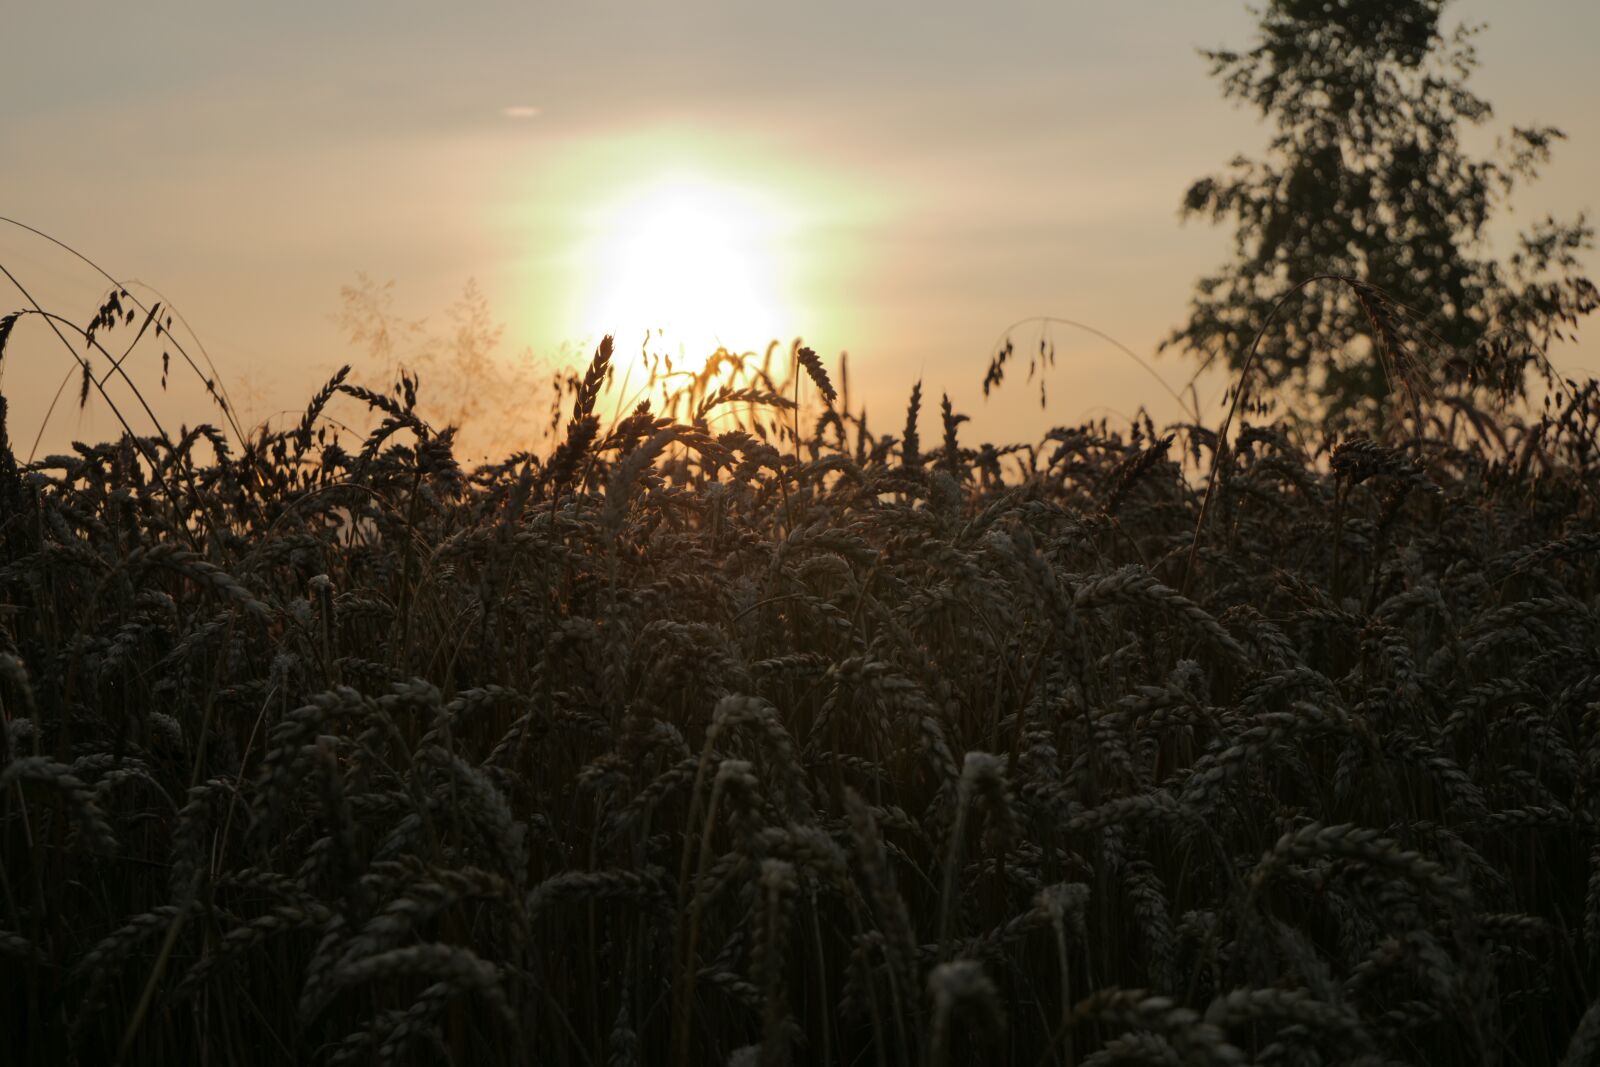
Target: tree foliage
point(479, 389)
point(1362, 262)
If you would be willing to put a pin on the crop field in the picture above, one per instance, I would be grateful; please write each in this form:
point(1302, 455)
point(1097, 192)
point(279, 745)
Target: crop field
point(733, 730)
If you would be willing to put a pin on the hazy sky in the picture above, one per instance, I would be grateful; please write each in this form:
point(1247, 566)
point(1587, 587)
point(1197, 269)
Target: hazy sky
point(902, 180)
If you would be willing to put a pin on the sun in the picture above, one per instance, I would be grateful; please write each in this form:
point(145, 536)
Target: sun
point(696, 263)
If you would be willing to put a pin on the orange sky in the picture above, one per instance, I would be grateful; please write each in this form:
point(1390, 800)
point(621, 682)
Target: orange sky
point(898, 180)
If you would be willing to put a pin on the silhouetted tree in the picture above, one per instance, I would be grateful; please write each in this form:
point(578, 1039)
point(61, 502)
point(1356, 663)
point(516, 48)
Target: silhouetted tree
point(1366, 178)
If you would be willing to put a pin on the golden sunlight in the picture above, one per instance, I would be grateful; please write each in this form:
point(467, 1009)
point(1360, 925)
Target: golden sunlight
point(696, 262)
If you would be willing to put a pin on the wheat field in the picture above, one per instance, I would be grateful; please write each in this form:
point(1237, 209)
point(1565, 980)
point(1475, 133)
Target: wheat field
point(734, 731)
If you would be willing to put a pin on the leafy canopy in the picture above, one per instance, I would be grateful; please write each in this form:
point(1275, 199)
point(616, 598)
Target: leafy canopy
point(1366, 178)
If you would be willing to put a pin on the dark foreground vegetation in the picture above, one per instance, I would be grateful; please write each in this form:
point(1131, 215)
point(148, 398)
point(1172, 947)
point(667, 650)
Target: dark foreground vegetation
point(684, 744)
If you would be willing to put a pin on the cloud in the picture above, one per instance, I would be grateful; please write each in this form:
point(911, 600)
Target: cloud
point(521, 111)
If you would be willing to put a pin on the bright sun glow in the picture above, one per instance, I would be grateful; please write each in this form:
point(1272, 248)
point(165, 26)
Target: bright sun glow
point(697, 262)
